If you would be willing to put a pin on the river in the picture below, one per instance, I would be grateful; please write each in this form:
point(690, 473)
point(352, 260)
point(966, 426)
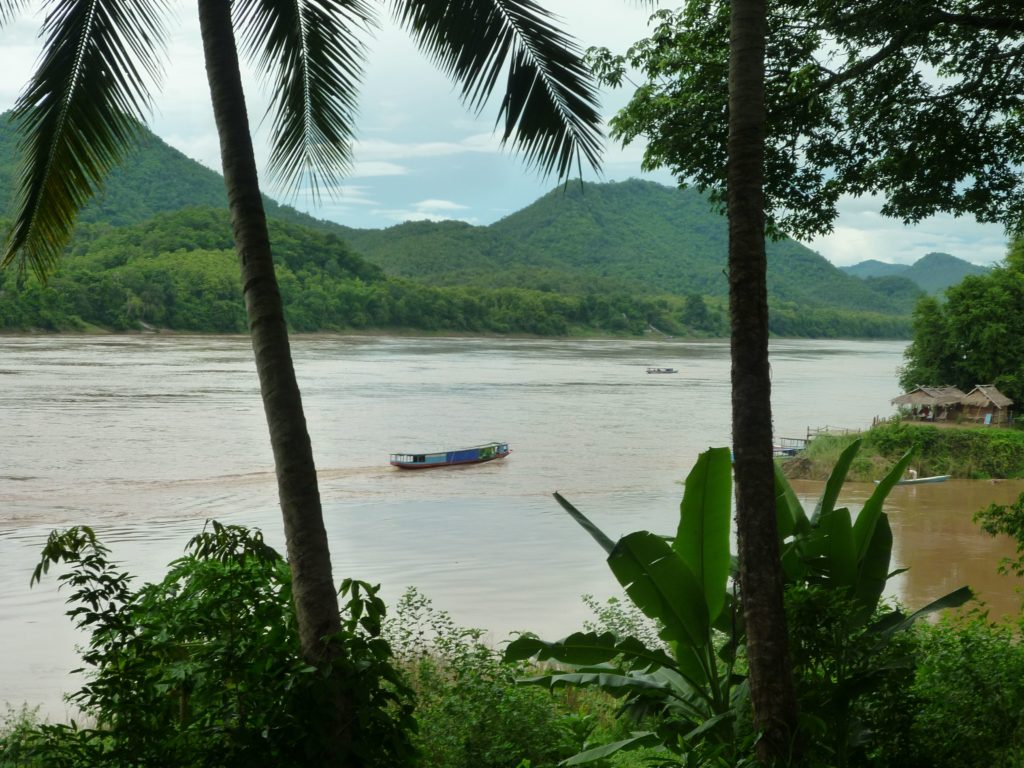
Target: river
point(145, 437)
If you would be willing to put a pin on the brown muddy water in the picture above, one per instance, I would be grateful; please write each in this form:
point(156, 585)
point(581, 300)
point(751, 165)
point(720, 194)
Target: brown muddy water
point(145, 437)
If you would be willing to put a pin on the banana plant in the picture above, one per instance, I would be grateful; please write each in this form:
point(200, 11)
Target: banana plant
point(682, 583)
point(836, 551)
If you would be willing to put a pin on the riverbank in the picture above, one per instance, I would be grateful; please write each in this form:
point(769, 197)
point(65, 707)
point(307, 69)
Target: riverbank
point(974, 452)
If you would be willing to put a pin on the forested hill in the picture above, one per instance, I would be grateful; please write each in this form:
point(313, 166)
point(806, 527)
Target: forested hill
point(154, 178)
point(932, 273)
point(638, 234)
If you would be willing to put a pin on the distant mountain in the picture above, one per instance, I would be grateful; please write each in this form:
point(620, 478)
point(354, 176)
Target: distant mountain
point(932, 273)
point(637, 235)
point(875, 268)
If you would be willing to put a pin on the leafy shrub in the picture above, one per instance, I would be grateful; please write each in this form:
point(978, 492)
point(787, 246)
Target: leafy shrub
point(470, 711)
point(204, 668)
point(969, 696)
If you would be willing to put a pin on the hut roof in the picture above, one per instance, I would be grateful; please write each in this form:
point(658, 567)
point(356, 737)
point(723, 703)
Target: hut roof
point(986, 394)
point(922, 395)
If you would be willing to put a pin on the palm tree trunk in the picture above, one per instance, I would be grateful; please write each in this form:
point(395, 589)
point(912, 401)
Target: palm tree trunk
point(771, 680)
point(315, 595)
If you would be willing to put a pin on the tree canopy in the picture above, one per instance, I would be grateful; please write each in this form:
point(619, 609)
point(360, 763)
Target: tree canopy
point(921, 104)
point(976, 336)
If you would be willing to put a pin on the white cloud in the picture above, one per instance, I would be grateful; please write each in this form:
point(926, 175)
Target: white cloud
point(439, 205)
point(863, 233)
point(364, 169)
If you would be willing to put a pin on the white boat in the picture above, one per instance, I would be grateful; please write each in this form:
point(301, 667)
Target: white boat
point(920, 480)
point(662, 370)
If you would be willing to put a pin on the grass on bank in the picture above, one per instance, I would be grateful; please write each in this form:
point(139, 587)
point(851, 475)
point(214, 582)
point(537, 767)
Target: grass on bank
point(964, 452)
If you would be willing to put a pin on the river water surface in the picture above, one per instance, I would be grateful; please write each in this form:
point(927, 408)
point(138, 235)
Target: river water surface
point(145, 437)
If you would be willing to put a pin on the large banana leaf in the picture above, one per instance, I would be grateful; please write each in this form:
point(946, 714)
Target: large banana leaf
point(842, 554)
point(636, 741)
point(617, 685)
point(896, 621)
point(585, 648)
point(864, 528)
point(789, 512)
point(873, 569)
point(827, 502)
point(662, 586)
point(702, 540)
point(596, 533)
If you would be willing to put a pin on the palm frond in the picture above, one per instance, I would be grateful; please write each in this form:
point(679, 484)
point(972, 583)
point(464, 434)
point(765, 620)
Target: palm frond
point(9, 9)
point(549, 107)
point(310, 53)
point(79, 114)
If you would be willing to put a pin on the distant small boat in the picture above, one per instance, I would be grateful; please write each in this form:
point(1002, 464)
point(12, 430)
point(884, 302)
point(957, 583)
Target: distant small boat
point(475, 455)
point(920, 480)
point(662, 370)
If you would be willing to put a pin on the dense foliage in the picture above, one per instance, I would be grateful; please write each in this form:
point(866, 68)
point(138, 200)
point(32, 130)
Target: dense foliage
point(971, 452)
point(849, 110)
point(636, 235)
point(177, 271)
point(976, 336)
point(205, 667)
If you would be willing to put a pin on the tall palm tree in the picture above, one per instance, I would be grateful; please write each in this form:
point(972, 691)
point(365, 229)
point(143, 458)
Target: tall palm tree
point(83, 108)
point(771, 679)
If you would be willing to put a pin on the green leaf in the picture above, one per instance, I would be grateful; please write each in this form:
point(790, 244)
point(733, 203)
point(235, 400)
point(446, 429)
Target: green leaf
point(79, 115)
point(702, 540)
point(617, 685)
point(873, 571)
point(864, 528)
point(637, 741)
point(596, 533)
point(834, 485)
point(584, 648)
point(954, 599)
point(789, 512)
point(842, 553)
point(549, 107)
point(310, 54)
point(662, 586)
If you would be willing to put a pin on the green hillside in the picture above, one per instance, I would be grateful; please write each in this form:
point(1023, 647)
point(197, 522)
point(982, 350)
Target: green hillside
point(875, 268)
point(154, 178)
point(932, 273)
point(154, 249)
point(637, 235)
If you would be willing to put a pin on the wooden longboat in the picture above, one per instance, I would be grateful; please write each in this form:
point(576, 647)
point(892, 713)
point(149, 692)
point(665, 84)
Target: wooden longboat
point(478, 454)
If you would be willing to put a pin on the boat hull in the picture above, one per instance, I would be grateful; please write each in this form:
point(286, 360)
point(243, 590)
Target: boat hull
point(477, 455)
point(921, 480)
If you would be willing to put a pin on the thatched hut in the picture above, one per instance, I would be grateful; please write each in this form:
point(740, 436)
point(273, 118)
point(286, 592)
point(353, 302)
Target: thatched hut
point(931, 403)
point(986, 403)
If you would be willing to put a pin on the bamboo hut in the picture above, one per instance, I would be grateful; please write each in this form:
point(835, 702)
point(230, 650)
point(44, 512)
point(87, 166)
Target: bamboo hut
point(987, 404)
point(931, 403)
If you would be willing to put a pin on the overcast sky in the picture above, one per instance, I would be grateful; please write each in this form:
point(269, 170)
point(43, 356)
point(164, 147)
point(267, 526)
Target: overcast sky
point(422, 155)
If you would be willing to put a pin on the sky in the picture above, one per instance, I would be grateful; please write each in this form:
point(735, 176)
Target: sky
point(420, 154)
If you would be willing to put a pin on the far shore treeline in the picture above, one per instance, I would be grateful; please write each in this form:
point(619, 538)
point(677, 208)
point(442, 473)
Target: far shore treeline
point(177, 271)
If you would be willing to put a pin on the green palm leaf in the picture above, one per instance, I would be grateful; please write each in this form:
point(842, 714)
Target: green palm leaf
point(550, 105)
point(79, 114)
point(312, 59)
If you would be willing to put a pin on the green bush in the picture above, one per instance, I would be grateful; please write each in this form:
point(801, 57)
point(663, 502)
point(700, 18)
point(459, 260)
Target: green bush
point(969, 696)
point(470, 711)
point(204, 668)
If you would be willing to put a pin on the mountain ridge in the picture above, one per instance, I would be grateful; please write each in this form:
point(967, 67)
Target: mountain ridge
point(933, 273)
